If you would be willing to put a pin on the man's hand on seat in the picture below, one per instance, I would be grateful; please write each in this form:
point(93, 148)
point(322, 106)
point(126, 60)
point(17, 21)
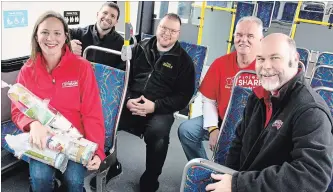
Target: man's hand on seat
point(94, 163)
point(223, 185)
point(76, 47)
point(213, 136)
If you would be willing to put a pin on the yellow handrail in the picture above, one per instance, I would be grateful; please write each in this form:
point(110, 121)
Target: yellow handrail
point(202, 14)
point(127, 21)
point(313, 22)
point(231, 31)
point(293, 29)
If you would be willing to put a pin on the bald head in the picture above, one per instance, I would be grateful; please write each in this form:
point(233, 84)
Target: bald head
point(277, 61)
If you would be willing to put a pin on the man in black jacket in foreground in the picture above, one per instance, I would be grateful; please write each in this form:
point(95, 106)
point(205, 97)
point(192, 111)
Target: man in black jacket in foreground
point(284, 142)
point(162, 81)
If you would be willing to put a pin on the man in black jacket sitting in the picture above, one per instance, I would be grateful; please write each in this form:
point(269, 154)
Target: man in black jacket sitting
point(284, 142)
point(101, 34)
point(162, 81)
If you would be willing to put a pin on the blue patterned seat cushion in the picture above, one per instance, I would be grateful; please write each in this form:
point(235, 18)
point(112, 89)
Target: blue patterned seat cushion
point(265, 10)
point(323, 76)
point(311, 15)
point(325, 59)
point(234, 116)
point(276, 9)
point(244, 9)
point(304, 56)
point(198, 54)
point(10, 128)
point(197, 178)
point(111, 86)
point(328, 97)
point(330, 19)
point(289, 11)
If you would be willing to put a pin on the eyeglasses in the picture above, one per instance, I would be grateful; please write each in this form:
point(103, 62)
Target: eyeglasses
point(172, 31)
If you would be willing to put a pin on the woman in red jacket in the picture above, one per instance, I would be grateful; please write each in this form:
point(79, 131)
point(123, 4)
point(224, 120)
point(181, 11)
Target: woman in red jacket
point(53, 72)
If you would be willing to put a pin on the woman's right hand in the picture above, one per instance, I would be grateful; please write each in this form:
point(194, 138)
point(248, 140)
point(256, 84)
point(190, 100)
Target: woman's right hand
point(38, 134)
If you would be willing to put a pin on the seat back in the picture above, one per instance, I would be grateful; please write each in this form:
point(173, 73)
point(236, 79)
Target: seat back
point(289, 11)
point(111, 84)
point(311, 15)
point(265, 12)
point(325, 58)
point(232, 118)
point(330, 19)
point(276, 10)
point(304, 55)
point(327, 94)
point(244, 9)
point(198, 54)
point(322, 76)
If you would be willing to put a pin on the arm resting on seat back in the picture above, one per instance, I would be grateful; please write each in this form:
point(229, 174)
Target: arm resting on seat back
point(91, 108)
point(311, 167)
point(210, 112)
point(182, 94)
point(21, 121)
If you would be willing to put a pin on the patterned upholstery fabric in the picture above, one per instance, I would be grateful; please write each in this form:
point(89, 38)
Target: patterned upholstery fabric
point(198, 54)
point(328, 97)
point(197, 178)
point(10, 128)
point(276, 10)
point(244, 9)
point(323, 76)
point(233, 118)
point(325, 59)
point(111, 84)
point(289, 12)
point(304, 56)
point(311, 15)
point(217, 3)
point(265, 9)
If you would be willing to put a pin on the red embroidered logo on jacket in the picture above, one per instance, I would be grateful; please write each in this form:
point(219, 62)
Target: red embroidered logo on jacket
point(70, 84)
point(277, 124)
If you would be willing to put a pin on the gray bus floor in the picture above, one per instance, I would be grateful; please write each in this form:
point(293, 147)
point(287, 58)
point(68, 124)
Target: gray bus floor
point(131, 154)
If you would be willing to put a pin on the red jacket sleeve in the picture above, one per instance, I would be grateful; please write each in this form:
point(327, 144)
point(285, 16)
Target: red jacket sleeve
point(91, 108)
point(21, 121)
point(210, 84)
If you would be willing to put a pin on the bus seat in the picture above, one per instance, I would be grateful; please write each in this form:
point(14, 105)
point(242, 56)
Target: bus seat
point(289, 11)
point(325, 58)
point(327, 94)
point(146, 36)
point(311, 15)
point(197, 174)
point(217, 3)
point(244, 9)
point(304, 56)
point(265, 12)
point(322, 76)
point(111, 83)
point(198, 54)
point(276, 10)
point(233, 117)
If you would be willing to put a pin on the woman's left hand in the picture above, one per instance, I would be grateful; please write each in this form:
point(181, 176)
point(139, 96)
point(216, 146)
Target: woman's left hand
point(94, 163)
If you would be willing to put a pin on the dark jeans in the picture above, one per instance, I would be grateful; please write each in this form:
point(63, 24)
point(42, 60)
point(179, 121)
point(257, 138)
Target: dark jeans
point(42, 177)
point(156, 131)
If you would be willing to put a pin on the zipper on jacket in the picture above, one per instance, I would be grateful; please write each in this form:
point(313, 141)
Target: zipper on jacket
point(147, 80)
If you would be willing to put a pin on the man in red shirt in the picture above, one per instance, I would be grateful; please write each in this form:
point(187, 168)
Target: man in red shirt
point(216, 88)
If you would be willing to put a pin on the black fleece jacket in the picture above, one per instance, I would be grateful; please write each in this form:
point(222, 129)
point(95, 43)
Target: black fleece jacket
point(167, 79)
point(293, 152)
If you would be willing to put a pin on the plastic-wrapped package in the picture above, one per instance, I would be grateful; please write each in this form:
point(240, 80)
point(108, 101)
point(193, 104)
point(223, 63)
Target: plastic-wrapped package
point(20, 144)
point(67, 138)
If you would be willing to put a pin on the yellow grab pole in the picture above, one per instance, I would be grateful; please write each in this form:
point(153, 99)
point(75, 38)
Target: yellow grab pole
point(293, 29)
point(127, 22)
point(202, 14)
point(313, 22)
point(231, 30)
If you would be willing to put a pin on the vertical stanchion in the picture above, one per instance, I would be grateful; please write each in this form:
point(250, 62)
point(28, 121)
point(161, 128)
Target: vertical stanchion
point(202, 15)
point(126, 53)
point(231, 30)
point(293, 28)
